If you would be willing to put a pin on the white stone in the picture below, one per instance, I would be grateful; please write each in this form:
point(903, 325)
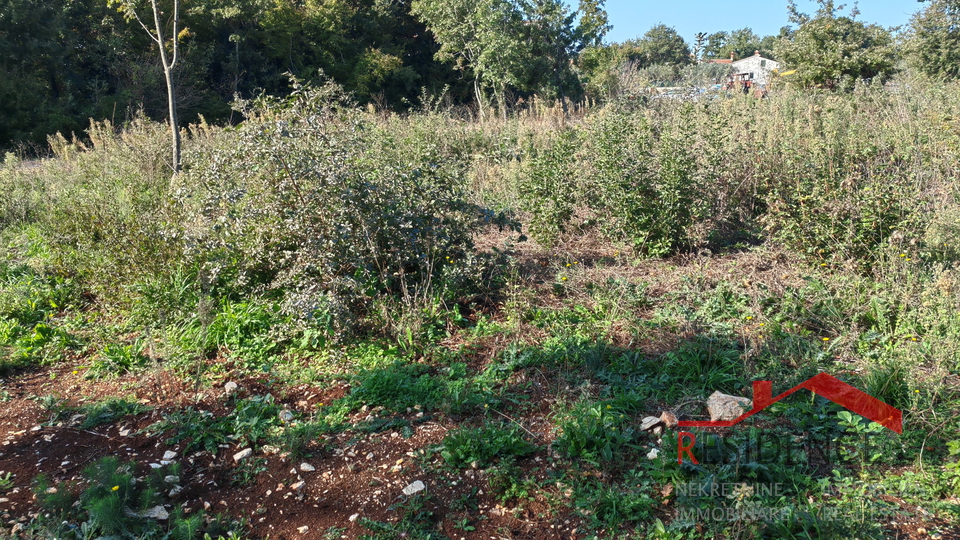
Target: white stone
point(723, 408)
point(298, 486)
point(171, 479)
point(230, 387)
point(306, 467)
point(169, 454)
point(653, 454)
point(354, 517)
point(415, 487)
point(243, 454)
point(649, 423)
point(157, 512)
point(304, 529)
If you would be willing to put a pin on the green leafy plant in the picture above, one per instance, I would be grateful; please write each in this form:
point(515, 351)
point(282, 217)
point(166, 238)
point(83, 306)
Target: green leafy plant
point(482, 446)
point(705, 364)
point(857, 444)
point(253, 421)
point(614, 506)
point(595, 433)
point(951, 469)
point(248, 470)
point(111, 502)
point(548, 187)
point(415, 521)
point(117, 360)
point(6, 481)
point(398, 386)
point(104, 412)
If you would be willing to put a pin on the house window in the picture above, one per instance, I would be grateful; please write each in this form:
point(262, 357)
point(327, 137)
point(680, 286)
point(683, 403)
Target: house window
point(763, 63)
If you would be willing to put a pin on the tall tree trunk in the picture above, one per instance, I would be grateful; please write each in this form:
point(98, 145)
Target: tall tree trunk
point(174, 127)
point(168, 65)
point(476, 89)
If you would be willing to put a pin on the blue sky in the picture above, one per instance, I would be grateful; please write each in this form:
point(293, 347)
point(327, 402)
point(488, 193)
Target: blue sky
point(631, 18)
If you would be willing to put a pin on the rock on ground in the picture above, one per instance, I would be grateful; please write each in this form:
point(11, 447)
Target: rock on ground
point(724, 408)
point(415, 487)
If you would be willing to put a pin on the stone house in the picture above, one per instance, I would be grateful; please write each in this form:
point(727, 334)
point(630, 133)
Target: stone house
point(756, 69)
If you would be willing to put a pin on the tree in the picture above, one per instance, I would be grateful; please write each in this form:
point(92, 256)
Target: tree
point(699, 44)
point(741, 43)
point(475, 36)
point(934, 40)
point(556, 41)
point(167, 62)
point(661, 45)
point(834, 51)
point(525, 44)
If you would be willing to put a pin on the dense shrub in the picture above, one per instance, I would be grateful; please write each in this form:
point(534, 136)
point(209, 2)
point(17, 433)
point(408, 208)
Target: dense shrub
point(300, 200)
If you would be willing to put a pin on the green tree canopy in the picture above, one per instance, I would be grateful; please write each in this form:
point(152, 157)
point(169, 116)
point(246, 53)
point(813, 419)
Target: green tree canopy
point(524, 44)
point(741, 43)
point(934, 39)
point(661, 45)
point(833, 51)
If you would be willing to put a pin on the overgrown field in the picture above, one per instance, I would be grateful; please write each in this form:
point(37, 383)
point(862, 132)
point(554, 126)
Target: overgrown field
point(491, 309)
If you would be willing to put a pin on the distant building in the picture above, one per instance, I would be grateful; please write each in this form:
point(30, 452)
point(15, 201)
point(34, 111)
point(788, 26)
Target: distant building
point(749, 71)
point(755, 69)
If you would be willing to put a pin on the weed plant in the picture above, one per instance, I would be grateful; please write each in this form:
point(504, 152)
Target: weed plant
point(111, 501)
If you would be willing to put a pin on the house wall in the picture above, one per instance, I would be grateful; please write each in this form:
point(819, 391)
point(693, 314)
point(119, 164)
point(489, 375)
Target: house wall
point(752, 64)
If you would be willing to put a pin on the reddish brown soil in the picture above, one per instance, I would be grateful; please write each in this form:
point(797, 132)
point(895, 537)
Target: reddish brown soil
point(345, 482)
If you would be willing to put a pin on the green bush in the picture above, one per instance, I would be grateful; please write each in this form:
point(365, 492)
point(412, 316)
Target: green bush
point(301, 199)
point(548, 186)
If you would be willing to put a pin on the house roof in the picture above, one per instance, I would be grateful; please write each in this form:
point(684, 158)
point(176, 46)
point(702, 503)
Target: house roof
point(756, 54)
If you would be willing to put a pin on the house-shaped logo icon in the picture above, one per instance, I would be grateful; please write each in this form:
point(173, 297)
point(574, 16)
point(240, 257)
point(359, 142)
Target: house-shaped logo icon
point(824, 385)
